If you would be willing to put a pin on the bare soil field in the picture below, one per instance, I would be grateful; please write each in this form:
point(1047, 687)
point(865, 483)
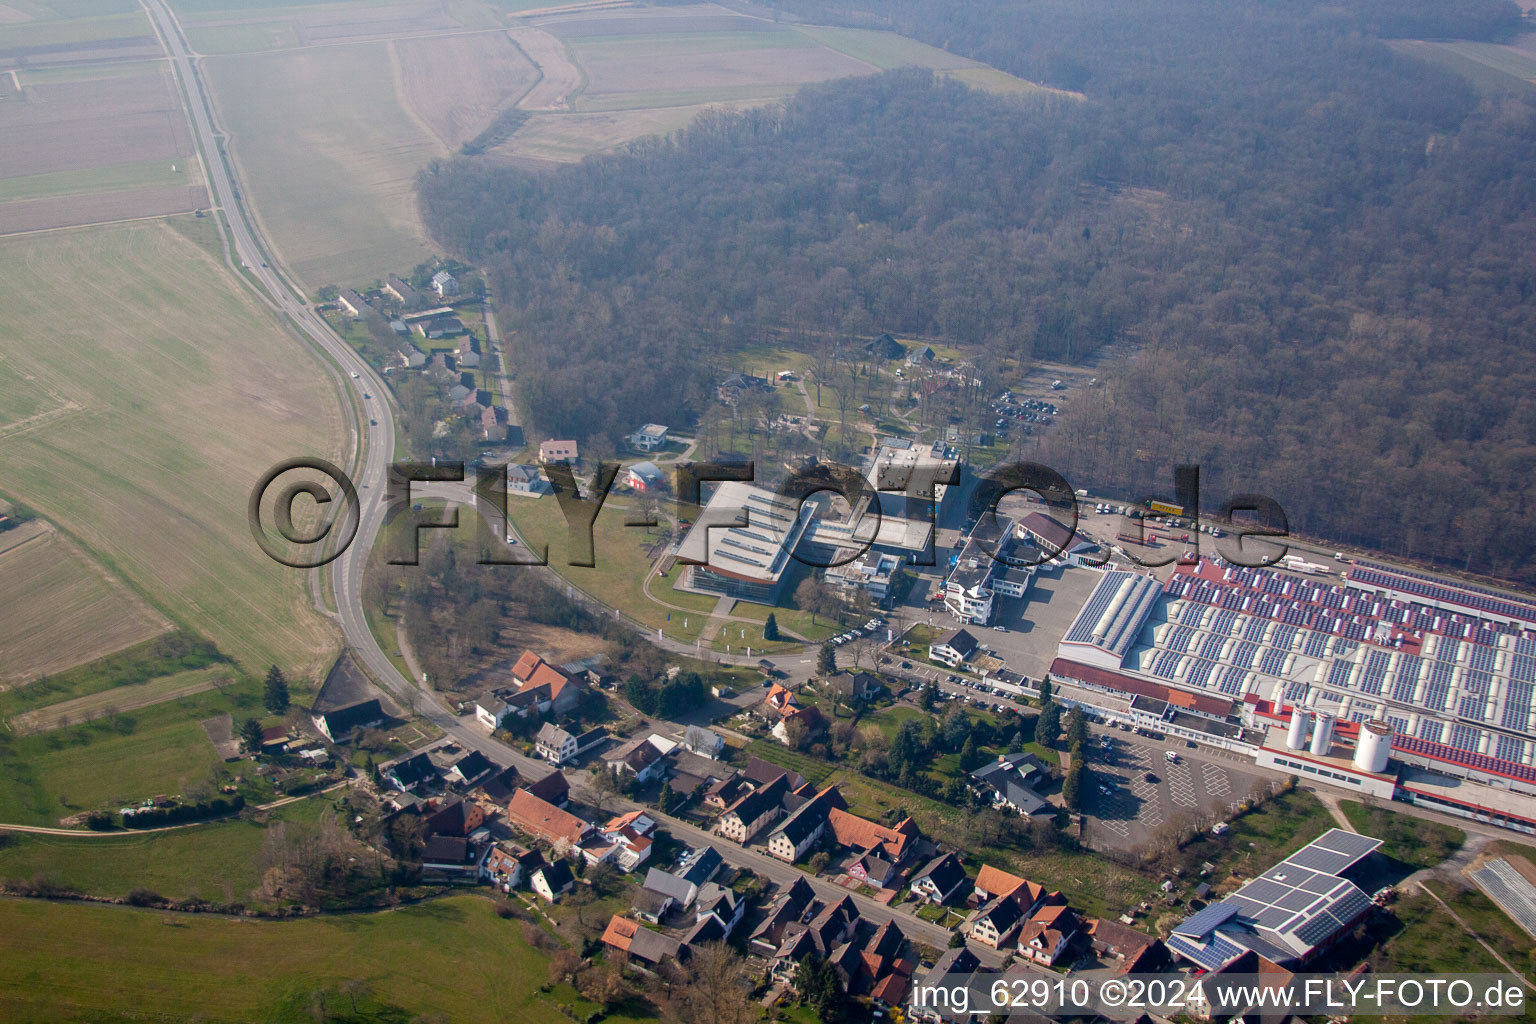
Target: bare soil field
point(120, 699)
point(271, 28)
point(561, 80)
point(93, 123)
point(77, 210)
point(58, 610)
point(329, 156)
point(186, 391)
point(707, 18)
point(566, 138)
point(457, 84)
point(632, 66)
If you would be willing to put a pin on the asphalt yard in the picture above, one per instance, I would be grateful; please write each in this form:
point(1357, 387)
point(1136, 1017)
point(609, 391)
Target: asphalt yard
point(1125, 807)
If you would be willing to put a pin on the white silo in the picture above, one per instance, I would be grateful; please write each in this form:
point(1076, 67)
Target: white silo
point(1296, 735)
point(1373, 747)
point(1322, 735)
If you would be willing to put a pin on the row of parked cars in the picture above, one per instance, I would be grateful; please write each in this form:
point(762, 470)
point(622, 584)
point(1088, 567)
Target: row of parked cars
point(868, 628)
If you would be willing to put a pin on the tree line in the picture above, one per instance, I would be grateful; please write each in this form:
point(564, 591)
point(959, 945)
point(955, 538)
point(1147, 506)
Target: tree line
point(1300, 257)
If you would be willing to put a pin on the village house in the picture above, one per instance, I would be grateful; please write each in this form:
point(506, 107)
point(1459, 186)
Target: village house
point(401, 292)
point(953, 648)
point(557, 746)
point(793, 906)
point(455, 858)
point(649, 437)
point(941, 879)
point(557, 451)
point(642, 945)
point(339, 724)
point(645, 477)
point(445, 284)
point(543, 820)
point(1048, 934)
point(891, 843)
point(409, 773)
point(753, 812)
point(640, 759)
point(1010, 780)
point(552, 880)
point(527, 482)
point(804, 826)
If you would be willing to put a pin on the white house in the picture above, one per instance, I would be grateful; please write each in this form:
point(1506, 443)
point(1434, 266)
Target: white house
point(703, 741)
point(445, 284)
point(649, 437)
point(557, 746)
point(527, 482)
point(953, 648)
point(552, 880)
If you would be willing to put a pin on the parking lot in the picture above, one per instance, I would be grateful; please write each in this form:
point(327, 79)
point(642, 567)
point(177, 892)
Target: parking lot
point(1135, 807)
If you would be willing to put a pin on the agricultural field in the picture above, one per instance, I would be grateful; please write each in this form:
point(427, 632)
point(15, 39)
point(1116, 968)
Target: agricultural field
point(101, 147)
point(332, 181)
point(119, 700)
point(616, 74)
point(1491, 67)
point(227, 26)
point(40, 34)
point(63, 961)
point(334, 107)
point(458, 84)
point(58, 609)
point(171, 392)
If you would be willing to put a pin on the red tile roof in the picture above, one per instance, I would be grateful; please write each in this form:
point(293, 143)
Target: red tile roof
point(544, 819)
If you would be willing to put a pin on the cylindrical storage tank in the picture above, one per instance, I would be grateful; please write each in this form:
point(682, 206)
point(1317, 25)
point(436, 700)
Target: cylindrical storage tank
point(1322, 735)
point(1296, 736)
point(1373, 747)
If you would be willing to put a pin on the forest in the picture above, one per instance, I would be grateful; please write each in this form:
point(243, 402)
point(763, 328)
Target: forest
point(1301, 259)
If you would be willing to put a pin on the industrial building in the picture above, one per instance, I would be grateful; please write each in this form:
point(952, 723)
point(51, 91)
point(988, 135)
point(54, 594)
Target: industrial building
point(1289, 915)
point(743, 542)
point(986, 568)
point(1438, 675)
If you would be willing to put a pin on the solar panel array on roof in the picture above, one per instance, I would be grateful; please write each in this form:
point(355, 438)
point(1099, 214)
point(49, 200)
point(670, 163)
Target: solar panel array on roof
point(1474, 703)
point(1179, 638)
point(1517, 706)
point(1230, 680)
point(1437, 692)
point(1433, 748)
point(1204, 921)
point(1481, 599)
point(1375, 672)
point(1199, 672)
point(1339, 673)
point(1464, 737)
point(1431, 729)
point(1509, 748)
point(1211, 647)
point(1482, 659)
point(1244, 653)
point(1274, 661)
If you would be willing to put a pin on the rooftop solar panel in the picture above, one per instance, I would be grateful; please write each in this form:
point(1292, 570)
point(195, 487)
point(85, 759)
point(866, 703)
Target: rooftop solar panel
point(1204, 921)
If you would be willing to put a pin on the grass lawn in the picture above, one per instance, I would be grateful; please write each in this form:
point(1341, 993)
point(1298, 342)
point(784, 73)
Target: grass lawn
point(179, 392)
point(62, 961)
point(1485, 917)
point(217, 861)
point(1431, 940)
point(112, 761)
point(1413, 841)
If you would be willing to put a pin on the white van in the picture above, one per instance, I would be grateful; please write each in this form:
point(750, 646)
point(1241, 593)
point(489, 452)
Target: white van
point(1171, 756)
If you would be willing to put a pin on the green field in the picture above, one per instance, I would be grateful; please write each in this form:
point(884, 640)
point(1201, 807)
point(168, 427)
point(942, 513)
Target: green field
point(183, 392)
point(450, 957)
point(885, 50)
point(329, 158)
point(621, 570)
point(95, 767)
point(1413, 841)
point(216, 862)
point(77, 29)
point(115, 178)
